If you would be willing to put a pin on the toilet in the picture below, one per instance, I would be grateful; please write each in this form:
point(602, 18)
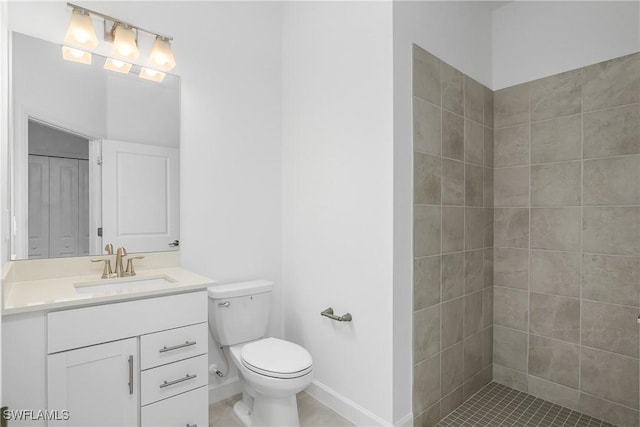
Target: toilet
point(271, 370)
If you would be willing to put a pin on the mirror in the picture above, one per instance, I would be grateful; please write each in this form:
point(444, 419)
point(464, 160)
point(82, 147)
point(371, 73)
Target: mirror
point(94, 156)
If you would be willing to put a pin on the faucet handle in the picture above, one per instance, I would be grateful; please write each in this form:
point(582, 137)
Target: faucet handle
point(130, 271)
point(106, 272)
point(109, 249)
point(121, 251)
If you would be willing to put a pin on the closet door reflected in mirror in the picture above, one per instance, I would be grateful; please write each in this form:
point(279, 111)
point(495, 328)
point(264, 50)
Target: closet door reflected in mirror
point(58, 193)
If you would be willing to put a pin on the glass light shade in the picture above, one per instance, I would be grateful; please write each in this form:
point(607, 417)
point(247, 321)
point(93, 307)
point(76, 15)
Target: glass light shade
point(81, 32)
point(117, 66)
point(162, 55)
point(76, 55)
point(124, 42)
point(153, 75)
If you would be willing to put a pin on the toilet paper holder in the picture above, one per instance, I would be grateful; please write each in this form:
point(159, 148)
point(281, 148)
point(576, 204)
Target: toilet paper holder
point(329, 313)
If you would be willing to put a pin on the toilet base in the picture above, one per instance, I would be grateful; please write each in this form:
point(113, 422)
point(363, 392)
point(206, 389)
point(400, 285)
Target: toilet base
point(268, 412)
point(243, 412)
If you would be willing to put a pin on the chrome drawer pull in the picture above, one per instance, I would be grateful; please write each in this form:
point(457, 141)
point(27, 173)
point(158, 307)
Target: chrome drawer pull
point(175, 347)
point(179, 380)
point(192, 425)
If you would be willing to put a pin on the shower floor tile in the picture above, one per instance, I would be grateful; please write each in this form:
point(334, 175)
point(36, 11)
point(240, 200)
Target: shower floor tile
point(499, 406)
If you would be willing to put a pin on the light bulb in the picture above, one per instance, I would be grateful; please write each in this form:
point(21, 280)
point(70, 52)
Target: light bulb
point(81, 36)
point(150, 74)
point(124, 50)
point(124, 42)
point(161, 54)
point(117, 66)
point(81, 31)
point(161, 59)
point(76, 55)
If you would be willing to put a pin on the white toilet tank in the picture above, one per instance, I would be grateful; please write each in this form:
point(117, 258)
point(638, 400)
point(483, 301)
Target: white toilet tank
point(239, 312)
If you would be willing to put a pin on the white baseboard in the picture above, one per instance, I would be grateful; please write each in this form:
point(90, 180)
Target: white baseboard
point(406, 421)
point(344, 406)
point(229, 388)
point(327, 396)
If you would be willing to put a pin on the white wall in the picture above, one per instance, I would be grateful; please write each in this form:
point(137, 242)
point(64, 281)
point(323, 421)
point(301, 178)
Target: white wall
point(230, 54)
point(337, 199)
point(229, 58)
point(459, 33)
point(142, 111)
point(532, 39)
point(4, 120)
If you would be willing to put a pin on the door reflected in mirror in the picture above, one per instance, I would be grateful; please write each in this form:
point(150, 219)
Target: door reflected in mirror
point(58, 191)
point(95, 156)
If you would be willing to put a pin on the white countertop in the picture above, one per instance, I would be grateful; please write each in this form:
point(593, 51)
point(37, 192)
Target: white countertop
point(21, 296)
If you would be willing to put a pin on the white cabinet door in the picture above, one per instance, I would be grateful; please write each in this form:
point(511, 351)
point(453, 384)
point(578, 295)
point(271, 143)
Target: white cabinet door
point(98, 385)
point(83, 207)
point(63, 203)
point(38, 207)
point(140, 196)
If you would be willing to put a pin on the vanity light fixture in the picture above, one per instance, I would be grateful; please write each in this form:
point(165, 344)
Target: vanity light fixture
point(124, 37)
point(81, 31)
point(117, 66)
point(76, 55)
point(161, 54)
point(124, 41)
point(150, 74)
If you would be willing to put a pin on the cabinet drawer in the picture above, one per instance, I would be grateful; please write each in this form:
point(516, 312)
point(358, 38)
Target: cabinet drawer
point(168, 380)
point(186, 409)
point(170, 346)
point(81, 327)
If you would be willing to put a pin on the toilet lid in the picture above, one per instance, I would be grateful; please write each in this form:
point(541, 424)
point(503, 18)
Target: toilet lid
point(276, 358)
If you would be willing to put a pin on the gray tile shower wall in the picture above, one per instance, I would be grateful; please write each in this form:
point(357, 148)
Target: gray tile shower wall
point(567, 239)
point(452, 237)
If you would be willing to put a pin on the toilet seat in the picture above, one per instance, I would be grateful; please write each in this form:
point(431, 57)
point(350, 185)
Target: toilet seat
point(276, 358)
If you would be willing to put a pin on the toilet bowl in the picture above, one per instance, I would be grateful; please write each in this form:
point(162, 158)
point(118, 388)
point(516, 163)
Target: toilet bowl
point(271, 370)
point(274, 371)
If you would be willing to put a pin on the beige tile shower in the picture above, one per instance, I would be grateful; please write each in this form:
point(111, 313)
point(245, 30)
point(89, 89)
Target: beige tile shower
point(567, 196)
point(453, 237)
point(527, 238)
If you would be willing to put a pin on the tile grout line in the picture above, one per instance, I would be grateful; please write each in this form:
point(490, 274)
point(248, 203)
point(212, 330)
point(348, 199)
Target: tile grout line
point(581, 241)
point(600, 110)
point(464, 222)
point(568, 252)
point(569, 297)
point(566, 342)
point(441, 234)
point(560, 162)
point(529, 243)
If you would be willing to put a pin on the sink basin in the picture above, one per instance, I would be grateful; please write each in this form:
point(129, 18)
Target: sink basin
point(124, 284)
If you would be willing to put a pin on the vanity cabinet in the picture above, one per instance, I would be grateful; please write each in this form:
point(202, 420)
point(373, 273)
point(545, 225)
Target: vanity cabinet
point(95, 384)
point(141, 362)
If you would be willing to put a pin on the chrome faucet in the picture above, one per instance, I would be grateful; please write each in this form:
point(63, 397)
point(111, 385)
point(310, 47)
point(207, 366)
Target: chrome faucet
point(121, 252)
